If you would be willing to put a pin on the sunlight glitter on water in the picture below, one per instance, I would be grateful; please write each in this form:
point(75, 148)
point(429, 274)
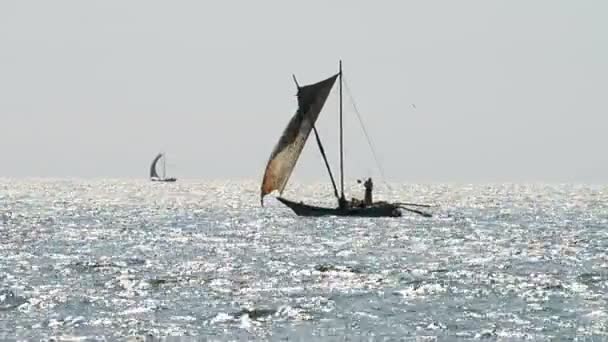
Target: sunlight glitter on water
point(117, 258)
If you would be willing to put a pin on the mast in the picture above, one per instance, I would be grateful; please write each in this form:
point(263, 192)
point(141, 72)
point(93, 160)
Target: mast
point(341, 141)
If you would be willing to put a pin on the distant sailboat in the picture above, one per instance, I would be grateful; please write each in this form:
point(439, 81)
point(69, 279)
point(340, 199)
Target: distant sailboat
point(311, 99)
point(154, 175)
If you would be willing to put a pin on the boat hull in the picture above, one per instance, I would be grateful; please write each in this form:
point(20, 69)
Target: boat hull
point(381, 209)
point(165, 180)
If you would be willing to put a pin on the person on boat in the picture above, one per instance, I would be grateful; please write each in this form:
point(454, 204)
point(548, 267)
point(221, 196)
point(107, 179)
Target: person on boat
point(342, 203)
point(369, 185)
point(356, 203)
point(368, 199)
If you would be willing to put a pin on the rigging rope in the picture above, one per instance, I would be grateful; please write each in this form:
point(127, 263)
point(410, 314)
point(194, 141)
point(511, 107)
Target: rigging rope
point(369, 141)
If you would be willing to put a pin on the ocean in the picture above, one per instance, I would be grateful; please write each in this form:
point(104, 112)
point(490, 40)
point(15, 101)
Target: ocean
point(93, 260)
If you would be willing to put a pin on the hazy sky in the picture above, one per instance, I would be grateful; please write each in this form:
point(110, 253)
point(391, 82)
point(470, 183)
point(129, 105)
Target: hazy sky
point(503, 90)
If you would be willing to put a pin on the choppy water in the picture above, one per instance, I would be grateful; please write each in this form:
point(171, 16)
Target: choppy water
point(111, 259)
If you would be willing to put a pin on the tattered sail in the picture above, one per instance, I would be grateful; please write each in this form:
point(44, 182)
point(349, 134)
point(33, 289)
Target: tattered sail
point(153, 173)
point(311, 99)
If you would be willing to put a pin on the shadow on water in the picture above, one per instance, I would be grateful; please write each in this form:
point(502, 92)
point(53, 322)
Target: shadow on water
point(93, 266)
point(255, 314)
point(9, 300)
point(333, 268)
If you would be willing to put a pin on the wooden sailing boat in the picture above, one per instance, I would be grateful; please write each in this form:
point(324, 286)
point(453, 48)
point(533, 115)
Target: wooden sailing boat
point(154, 175)
point(311, 99)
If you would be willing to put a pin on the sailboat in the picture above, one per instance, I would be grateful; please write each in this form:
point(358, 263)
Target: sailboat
point(282, 161)
point(154, 175)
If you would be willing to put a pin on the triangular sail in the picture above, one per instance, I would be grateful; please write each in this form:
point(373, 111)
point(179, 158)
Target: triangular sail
point(153, 173)
point(311, 99)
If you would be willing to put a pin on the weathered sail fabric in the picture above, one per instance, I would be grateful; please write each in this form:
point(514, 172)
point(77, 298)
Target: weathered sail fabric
point(284, 157)
point(153, 173)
